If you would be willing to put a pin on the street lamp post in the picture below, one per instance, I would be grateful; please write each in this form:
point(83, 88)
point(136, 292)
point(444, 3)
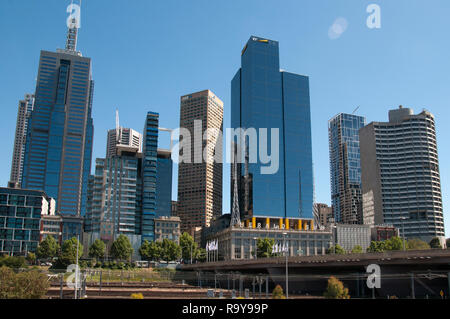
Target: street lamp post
point(287, 274)
point(403, 232)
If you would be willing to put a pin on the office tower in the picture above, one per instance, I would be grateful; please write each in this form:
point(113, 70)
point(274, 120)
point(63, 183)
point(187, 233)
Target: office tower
point(263, 96)
point(149, 176)
point(59, 142)
point(324, 213)
point(21, 213)
point(345, 167)
point(121, 136)
point(115, 190)
point(400, 174)
point(23, 115)
point(200, 181)
point(116, 197)
point(164, 184)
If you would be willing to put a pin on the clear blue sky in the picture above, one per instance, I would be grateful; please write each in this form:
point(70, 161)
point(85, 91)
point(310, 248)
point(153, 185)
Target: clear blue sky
point(146, 54)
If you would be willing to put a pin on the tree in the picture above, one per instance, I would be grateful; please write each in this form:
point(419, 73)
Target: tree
point(264, 247)
point(201, 255)
point(97, 249)
point(277, 293)
point(48, 248)
point(336, 250)
point(435, 243)
point(170, 250)
point(417, 244)
point(357, 250)
point(121, 248)
point(31, 258)
point(188, 246)
point(376, 247)
point(336, 289)
point(69, 252)
point(394, 243)
point(447, 243)
point(150, 250)
point(144, 250)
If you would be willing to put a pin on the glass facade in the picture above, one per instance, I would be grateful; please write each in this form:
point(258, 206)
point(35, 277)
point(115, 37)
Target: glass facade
point(164, 184)
point(59, 143)
point(345, 167)
point(149, 176)
point(262, 96)
point(20, 218)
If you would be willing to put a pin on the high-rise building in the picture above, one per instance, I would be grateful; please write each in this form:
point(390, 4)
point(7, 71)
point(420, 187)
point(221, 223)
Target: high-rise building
point(59, 142)
point(324, 213)
point(164, 184)
point(23, 115)
point(345, 167)
point(21, 212)
point(116, 197)
point(123, 137)
point(265, 97)
point(149, 176)
point(200, 180)
point(400, 174)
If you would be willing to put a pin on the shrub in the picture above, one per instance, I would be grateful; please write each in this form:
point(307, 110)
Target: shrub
point(24, 285)
point(12, 262)
point(336, 289)
point(137, 296)
point(277, 293)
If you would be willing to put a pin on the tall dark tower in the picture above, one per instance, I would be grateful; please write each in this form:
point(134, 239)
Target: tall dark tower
point(58, 151)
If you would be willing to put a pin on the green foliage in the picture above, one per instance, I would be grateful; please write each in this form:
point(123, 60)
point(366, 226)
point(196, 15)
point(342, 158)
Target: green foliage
point(394, 243)
point(48, 248)
point(336, 250)
point(31, 258)
point(277, 293)
point(14, 262)
point(24, 285)
point(121, 248)
point(137, 296)
point(150, 250)
point(435, 243)
point(97, 249)
point(417, 244)
point(336, 289)
point(188, 245)
point(201, 255)
point(264, 247)
point(447, 242)
point(69, 253)
point(376, 247)
point(357, 250)
point(171, 251)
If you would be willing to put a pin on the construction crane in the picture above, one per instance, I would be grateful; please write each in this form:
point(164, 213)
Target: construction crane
point(355, 110)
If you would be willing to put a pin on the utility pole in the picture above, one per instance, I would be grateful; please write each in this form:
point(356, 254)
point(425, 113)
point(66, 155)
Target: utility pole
point(403, 233)
point(287, 274)
point(76, 269)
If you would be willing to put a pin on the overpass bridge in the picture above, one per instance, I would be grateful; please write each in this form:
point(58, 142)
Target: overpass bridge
point(412, 273)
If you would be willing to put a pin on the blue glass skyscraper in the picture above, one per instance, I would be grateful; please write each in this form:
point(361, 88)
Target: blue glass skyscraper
point(164, 184)
point(59, 143)
point(263, 96)
point(149, 176)
point(345, 167)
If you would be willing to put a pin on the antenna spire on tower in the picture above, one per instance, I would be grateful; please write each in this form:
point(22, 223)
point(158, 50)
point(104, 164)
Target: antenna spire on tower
point(73, 23)
point(117, 126)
